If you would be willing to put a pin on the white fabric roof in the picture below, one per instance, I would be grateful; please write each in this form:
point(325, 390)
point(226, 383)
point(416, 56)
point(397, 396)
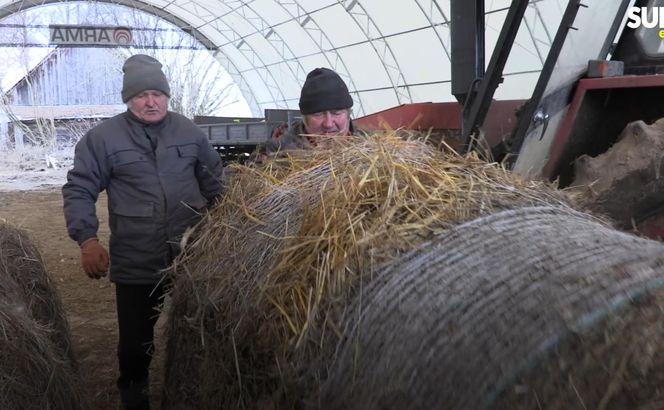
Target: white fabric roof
point(389, 51)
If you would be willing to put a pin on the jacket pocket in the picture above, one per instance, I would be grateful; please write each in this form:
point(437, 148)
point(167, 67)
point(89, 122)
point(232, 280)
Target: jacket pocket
point(127, 157)
point(187, 151)
point(181, 161)
point(138, 242)
point(136, 209)
point(134, 230)
point(129, 163)
point(133, 222)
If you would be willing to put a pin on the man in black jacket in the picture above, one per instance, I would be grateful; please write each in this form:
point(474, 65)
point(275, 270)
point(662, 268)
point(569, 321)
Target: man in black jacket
point(325, 104)
point(159, 173)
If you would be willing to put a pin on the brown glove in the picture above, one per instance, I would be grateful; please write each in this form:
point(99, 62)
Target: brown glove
point(94, 258)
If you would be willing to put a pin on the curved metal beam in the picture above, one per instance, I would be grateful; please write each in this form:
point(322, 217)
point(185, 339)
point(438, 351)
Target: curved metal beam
point(381, 47)
point(535, 40)
point(213, 29)
point(311, 28)
point(322, 40)
point(429, 15)
point(275, 40)
point(234, 39)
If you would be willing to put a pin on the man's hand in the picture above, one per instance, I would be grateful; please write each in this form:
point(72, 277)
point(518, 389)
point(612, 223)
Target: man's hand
point(94, 258)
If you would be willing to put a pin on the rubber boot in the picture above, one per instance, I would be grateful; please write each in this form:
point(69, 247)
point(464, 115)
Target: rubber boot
point(136, 396)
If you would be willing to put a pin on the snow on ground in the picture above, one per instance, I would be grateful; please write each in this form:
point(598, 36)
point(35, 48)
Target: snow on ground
point(32, 168)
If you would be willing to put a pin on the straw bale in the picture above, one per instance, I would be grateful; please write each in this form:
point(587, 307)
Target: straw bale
point(265, 277)
point(617, 364)
point(538, 307)
point(37, 366)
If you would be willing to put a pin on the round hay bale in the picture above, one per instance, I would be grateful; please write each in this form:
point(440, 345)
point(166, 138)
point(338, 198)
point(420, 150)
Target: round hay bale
point(531, 307)
point(262, 283)
point(37, 366)
point(616, 364)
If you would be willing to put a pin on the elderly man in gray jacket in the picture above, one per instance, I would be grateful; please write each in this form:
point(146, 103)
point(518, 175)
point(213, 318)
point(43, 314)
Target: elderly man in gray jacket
point(159, 173)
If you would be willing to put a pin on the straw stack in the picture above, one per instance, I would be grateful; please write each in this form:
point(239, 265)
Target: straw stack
point(264, 281)
point(37, 366)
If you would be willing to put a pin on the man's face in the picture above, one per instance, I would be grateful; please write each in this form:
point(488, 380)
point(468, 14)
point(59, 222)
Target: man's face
point(334, 122)
point(150, 105)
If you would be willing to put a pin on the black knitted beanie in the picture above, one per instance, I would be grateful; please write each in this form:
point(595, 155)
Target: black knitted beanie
point(324, 90)
point(142, 72)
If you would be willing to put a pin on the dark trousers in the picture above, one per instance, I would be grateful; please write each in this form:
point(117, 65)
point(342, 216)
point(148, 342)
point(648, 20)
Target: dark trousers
point(137, 307)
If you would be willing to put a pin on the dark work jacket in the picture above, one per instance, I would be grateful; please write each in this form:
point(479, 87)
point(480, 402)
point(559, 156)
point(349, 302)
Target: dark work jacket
point(158, 178)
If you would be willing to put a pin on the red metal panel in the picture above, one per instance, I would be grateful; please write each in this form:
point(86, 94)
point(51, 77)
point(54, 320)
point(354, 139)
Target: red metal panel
point(625, 81)
point(500, 120)
point(417, 116)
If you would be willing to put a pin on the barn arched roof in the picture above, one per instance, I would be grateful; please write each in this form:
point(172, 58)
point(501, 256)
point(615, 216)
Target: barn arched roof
point(389, 52)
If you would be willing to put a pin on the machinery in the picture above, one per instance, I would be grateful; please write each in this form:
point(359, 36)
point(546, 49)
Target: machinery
point(600, 75)
point(236, 138)
point(603, 71)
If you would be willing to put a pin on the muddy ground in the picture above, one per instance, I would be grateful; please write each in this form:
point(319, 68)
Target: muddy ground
point(89, 304)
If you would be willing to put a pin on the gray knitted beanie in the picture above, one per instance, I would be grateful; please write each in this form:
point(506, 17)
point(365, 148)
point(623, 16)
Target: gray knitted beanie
point(142, 72)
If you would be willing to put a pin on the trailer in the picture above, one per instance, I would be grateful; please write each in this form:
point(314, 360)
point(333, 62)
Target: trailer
point(235, 138)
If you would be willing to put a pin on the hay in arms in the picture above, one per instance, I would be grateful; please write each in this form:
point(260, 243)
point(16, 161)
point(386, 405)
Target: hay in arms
point(37, 366)
point(260, 290)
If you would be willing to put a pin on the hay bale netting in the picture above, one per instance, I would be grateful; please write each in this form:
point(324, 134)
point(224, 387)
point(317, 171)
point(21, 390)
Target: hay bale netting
point(259, 293)
point(37, 366)
point(532, 308)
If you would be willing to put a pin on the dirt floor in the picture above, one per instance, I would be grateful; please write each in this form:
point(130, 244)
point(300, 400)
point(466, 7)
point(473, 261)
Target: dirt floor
point(90, 304)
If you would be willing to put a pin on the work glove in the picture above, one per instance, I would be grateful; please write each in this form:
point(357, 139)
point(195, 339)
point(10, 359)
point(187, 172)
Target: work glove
point(94, 258)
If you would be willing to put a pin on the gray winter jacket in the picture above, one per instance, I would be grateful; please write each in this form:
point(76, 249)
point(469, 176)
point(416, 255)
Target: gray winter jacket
point(158, 178)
